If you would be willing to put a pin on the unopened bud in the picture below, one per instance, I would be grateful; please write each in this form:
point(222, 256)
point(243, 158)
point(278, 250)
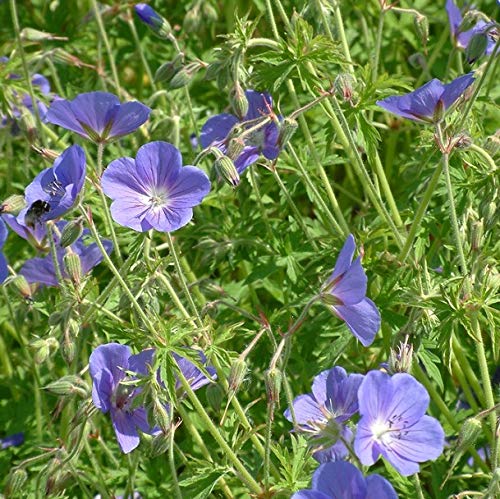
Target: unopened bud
point(161, 416)
point(192, 20)
point(224, 167)
point(15, 483)
point(33, 35)
point(236, 375)
point(160, 444)
point(329, 299)
point(489, 214)
point(235, 148)
point(68, 349)
point(477, 232)
point(469, 433)
point(73, 266)
point(422, 28)
point(13, 204)
point(41, 348)
point(417, 60)
point(169, 69)
point(55, 318)
point(69, 385)
point(158, 25)
point(215, 396)
point(209, 12)
point(239, 101)
point(181, 78)
point(476, 47)
point(47, 154)
point(22, 285)
point(344, 86)
point(438, 112)
point(287, 128)
point(71, 232)
point(469, 20)
point(273, 379)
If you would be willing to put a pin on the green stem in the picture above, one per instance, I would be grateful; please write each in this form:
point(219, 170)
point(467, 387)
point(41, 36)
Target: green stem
point(341, 32)
point(422, 208)
point(171, 457)
point(27, 76)
point(418, 487)
point(488, 159)
point(378, 44)
point(104, 37)
point(262, 208)
point(245, 476)
point(107, 214)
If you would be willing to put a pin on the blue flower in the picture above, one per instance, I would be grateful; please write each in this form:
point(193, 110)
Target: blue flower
point(12, 440)
point(263, 141)
point(428, 103)
point(4, 272)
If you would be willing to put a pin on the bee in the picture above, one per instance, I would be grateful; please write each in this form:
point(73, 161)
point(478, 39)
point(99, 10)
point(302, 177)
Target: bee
point(35, 212)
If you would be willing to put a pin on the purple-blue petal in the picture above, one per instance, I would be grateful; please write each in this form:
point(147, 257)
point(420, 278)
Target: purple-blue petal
point(96, 110)
point(61, 113)
point(351, 287)
point(339, 479)
point(452, 91)
point(192, 374)
point(139, 363)
point(363, 320)
point(249, 156)
point(344, 259)
point(217, 129)
point(112, 357)
point(378, 487)
point(259, 104)
point(12, 440)
point(454, 16)
point(307, 411)
point(130, 116)
point(40, 270)
point(337, 451)
point(125, 430)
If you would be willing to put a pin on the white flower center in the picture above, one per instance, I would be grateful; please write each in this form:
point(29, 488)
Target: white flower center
point(379, 428)
point(158, 197)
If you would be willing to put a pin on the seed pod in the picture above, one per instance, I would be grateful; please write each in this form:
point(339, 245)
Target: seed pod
point(73, 266)
point(71, 232)
point(68, 349)
point(287, 128)
point(235, 148)
point(224, 167)
point(273, 379)
point(68, 385)
point(469, 433)
point(22, 285)
point(169, 69)
point(181, 78)
point(236, 375)
point(477, 232)
point(33, 35)
point(13, 204)
point(344, 86)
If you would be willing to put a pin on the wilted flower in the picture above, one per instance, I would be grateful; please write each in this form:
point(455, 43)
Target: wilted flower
point(323, 412)
point(107, 365)
point(12, 440)
point(154, 191)
point(342, 480)
point(4, 272)
point(393, 423)
point(55, 190)
point(428, 103)
point(263, 140)
point(463, 38)
point(345, 292)
point(41, 269)
point(98, 116)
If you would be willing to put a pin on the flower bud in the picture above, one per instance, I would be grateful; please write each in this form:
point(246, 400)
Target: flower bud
point(158, 25)
point(422, 28)
point(71, 232)
point(68, 349)
point(477, 232)
point(287, 128)
point(22, 285)
point(235, 148)
point(161, 415)
point(42, 350)
point(469, 20)
point(236, 375)
point(181, 78)
point(73, 266)
point(401, 361)
point(239, 101)
point(417, 60)
point(169, 69)
point(344, 86)
point(160, 444)
point(209, 12)
point(224, 167)
point(13, 204)
point(489, 214)
point(469, 433)
point(69, 385)
point(476, 47)
point(15, 482)
point(273, 379)
point(192, 20)
point(438, 112)
point(329, 299)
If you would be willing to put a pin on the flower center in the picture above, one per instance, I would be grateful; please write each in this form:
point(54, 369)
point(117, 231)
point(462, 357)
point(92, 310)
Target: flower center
point(158, 198)
point(395, 426)
point(256, 138)
point(123, 396)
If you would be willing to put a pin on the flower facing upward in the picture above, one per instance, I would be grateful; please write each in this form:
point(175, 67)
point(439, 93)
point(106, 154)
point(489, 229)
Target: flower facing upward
point(108, 364)
point(463, 38)
point(154, 191)
point(41, 269)
point(342, 480)
point(55, 190)
point(3, 262)
point(428, 103)
point(345, 292)
point(322, 413)
point(393, 423)
point(263, 140)
point(98, 116)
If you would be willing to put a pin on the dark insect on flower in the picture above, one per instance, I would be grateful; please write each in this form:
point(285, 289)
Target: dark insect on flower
point(35, 212)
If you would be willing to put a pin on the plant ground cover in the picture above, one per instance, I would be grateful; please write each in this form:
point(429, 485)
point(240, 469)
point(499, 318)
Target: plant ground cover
point(248, 249)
